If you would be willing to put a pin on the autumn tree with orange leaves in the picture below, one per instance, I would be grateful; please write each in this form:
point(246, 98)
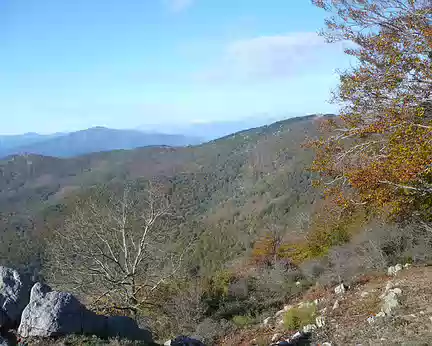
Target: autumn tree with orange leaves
point(378, 152)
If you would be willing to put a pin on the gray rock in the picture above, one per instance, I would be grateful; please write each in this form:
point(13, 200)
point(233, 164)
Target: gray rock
point(320, 321)
point(14, 294)
point(3, 341)
point(394, 270)
point(126, 327)
point(340, 289)
point(266, 321)
point(275, 337)
point(38, 291)
point(335, 305)
point(309, 328)
point(391, 300)
point(52, 314)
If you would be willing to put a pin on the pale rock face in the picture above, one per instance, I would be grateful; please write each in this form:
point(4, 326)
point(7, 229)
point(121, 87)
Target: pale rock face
point(389, 286)
point(51, 314)
point(296, 336)
point(309, 328)
point(336, 305)
point(394, 270)
point(391, 301)
point(320, 322)
point(14, 295)
point(397, 291)
point(275, 337)
point(341, 289)
point(398, 267)
point(266, 321)
point(380, 314)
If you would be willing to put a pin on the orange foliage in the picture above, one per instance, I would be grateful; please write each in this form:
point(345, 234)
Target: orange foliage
point(264, 251)
point(378, 153)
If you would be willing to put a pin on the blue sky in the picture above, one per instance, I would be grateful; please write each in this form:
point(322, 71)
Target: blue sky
point(68, 65)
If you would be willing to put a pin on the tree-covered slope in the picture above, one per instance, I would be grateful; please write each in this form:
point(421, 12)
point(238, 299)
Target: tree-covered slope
point(262, 168)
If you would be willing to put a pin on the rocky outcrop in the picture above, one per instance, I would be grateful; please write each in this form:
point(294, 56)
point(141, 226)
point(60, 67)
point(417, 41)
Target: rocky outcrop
point(14, 296)
point(52, 313)
point(341, 289)
point(394, 270)
point(390, 300)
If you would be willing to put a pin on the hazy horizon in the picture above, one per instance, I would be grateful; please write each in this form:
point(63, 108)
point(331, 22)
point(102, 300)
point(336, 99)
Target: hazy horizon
point(170, 127)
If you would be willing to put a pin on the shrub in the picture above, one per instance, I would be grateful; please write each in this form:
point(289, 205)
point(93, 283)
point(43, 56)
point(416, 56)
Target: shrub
point(299, 317)
point(312, 269)
point(229, 309)
point(218, 285)
point(276, 282)
point(242, 321)
point(209, 331)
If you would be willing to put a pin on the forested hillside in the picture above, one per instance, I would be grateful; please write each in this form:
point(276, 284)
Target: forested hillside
point(289, 233)
point(235, 167)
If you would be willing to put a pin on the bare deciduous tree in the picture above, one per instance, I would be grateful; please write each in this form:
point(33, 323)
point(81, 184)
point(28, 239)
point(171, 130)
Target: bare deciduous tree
point(116, 247)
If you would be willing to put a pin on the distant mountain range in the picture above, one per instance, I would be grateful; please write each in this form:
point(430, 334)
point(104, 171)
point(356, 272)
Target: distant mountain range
point(92, 140)
point(100, 139)
point(210, 130)
point(14, 141)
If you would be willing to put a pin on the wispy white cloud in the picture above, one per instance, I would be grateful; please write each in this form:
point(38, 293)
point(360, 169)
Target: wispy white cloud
point(270, 57)
point(178, 5)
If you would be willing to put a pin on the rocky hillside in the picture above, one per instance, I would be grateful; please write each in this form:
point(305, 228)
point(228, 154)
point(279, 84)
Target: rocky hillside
point(392, 308)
